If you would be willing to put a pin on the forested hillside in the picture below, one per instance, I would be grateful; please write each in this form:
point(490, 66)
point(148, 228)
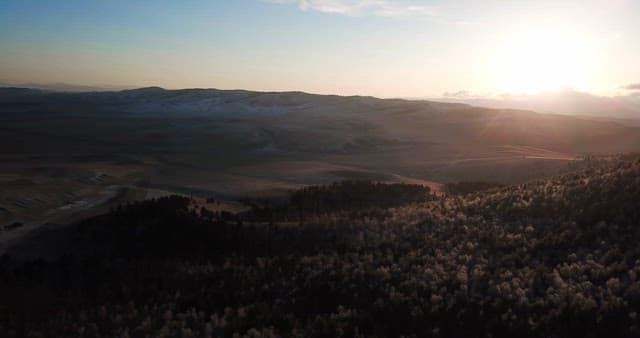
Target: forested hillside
point(556, 257)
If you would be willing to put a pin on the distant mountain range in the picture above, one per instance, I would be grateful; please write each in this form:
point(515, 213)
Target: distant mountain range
point(297, 121)
point(566, 101)
point(63, 87)
point(625, 105)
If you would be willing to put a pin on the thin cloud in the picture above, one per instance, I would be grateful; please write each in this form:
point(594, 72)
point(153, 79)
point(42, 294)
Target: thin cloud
point(633, 86)
point(381, 8)
point(467, 95)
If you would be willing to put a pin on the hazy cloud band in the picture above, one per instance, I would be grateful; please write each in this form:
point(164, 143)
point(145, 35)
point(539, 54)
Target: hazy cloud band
point(382, 8)
point(632, 86)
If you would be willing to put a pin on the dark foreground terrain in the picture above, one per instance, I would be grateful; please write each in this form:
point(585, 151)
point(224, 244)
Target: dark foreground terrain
point(555, 257)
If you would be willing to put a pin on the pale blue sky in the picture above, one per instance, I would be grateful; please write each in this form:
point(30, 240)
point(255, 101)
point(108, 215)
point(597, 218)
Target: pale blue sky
point(371, 47)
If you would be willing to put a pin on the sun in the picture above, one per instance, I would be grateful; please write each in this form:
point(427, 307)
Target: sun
point(540, 60)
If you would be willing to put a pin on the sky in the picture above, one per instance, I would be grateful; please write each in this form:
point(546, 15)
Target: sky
point(385, 48)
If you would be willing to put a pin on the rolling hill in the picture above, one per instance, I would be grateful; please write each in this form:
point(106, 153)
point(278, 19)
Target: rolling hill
point(66, 152)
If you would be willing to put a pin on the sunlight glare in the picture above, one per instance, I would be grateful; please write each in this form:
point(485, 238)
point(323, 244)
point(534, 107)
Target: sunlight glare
point(535, 61)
